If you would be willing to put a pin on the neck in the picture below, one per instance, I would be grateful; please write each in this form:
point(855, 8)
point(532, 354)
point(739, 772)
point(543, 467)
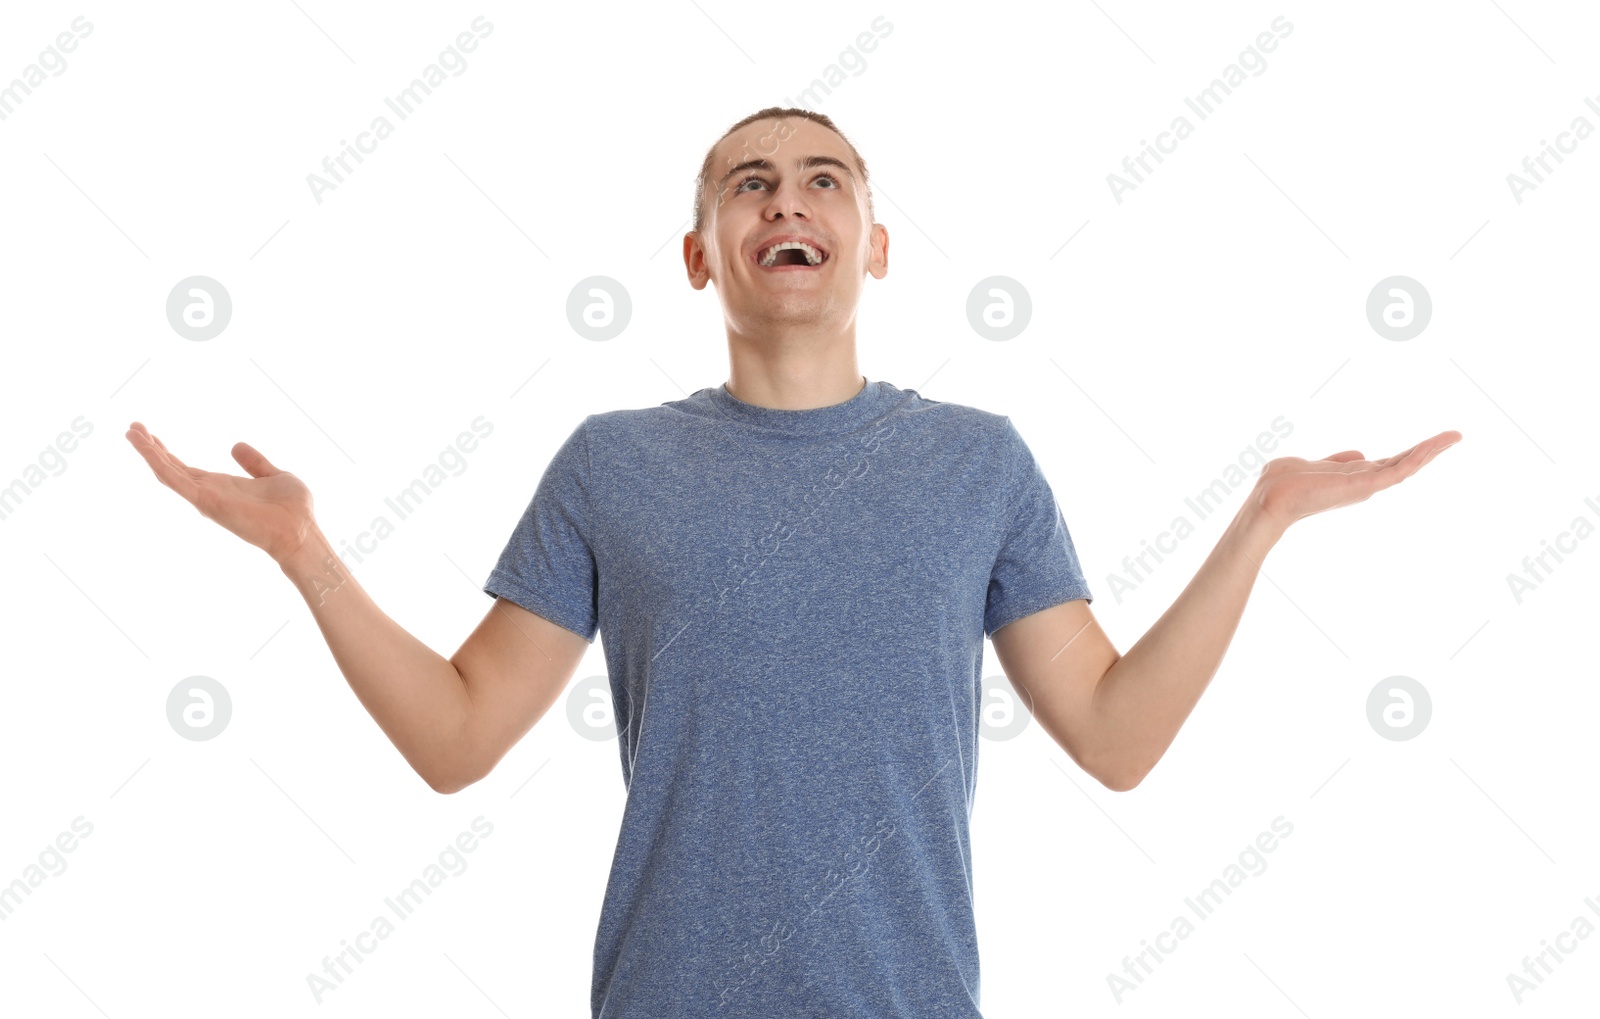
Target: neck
point(797, 375)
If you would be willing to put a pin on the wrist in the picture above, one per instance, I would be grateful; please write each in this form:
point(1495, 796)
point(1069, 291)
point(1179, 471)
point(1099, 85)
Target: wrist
point(313, 567)
point(1256, 529)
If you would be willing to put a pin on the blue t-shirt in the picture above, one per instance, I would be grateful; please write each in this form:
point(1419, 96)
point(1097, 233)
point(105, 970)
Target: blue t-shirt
point(793, 606)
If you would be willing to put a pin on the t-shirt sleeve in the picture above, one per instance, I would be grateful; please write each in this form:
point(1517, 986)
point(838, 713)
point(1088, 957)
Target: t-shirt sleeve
point(548, 565)
point(1037, 565)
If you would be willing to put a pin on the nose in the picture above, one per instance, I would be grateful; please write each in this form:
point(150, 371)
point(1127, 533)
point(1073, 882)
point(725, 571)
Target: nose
point(789, 199)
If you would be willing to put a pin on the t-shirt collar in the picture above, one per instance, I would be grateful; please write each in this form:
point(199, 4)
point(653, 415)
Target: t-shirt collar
point(832, 420)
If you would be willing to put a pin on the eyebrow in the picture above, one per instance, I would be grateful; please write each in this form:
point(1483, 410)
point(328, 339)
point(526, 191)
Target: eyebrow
point(801, 165)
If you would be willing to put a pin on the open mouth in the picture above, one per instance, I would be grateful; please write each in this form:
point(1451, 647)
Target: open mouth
point(791, 255)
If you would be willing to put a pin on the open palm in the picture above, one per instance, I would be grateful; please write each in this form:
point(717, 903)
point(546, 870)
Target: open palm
point(271, 509)
point(1291, 488)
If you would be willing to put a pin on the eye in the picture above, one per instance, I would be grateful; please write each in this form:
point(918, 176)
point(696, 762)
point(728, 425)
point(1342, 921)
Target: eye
point(752, 179)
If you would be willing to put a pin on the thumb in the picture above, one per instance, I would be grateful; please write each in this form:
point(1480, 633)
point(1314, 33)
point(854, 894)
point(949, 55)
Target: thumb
point(1347, 455)
point(251, 460)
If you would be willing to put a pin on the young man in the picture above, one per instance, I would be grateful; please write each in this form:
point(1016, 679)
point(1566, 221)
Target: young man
point(793, 574)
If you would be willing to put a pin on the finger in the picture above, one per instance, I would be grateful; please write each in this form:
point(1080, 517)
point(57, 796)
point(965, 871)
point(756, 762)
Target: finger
point(1391, 460)
point(1430, 447)
point(1414, 459)
point(144, 442)
point(148, 436)
point(169, 470)
point(151, 436)
point(158, 459)
point(170, 455)
point(251, 460)
point(1349, 454)
point(1433, 453)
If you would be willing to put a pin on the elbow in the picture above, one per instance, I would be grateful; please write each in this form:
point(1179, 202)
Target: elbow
point(1120, 783)
point(1121, 778)
point(446, 783)
point(445, 788)
point(1106, 768)
point(1118, 768)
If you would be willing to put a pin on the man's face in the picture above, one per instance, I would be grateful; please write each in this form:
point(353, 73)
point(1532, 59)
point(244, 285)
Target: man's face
point(777, 179)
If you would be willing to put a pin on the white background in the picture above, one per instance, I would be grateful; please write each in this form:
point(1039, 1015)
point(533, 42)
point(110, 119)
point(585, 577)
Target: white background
point(368, 330)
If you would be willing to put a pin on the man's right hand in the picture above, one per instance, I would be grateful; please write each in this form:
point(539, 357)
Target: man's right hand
point(452, 719)
point(271, 509)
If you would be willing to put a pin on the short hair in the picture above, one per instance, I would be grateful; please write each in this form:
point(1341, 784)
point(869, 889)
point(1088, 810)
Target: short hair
point(703, 182)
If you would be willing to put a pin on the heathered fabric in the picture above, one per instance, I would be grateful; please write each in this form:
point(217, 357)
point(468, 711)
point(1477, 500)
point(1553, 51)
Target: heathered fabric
point(793, 607)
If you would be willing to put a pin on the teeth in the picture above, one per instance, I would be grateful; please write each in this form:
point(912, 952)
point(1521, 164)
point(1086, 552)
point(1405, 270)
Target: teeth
point(770, 256)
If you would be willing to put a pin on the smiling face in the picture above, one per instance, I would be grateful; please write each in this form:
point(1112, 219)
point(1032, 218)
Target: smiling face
point(776, 181)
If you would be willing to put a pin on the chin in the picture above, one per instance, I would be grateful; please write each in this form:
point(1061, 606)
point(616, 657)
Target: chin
point(806, 308)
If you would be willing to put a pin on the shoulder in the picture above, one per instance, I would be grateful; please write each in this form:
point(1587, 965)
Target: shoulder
point(638, 436)
point(628, 421)
point(955, 417)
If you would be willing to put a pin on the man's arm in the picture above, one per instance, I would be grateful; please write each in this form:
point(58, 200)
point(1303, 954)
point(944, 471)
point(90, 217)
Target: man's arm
point(452, 720)
point(1117, 715)
point(515, 666)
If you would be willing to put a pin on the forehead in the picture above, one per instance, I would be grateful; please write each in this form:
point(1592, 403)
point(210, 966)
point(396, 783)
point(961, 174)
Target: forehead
point(780, 142)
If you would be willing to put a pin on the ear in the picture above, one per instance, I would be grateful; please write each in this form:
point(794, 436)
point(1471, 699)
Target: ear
point(878, 251)
point(694, 261)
